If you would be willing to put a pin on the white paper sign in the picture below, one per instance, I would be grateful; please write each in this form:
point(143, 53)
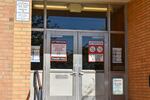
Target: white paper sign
point(116, 55)
point(35, 53)
point(117, 86)
point(96, 58)
point(23, 10)
point(58, 51)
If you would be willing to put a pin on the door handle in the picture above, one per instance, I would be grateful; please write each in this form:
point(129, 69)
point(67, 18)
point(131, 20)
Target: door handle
point(74, 73)
point(81, 73)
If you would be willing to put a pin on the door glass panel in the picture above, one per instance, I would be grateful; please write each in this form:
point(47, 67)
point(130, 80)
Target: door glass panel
point(37, 50)
point(93, 53)
point(93, 66)
point(61, 57)
point(62, 52)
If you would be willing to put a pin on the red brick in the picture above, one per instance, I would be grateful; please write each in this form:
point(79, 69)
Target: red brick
point(138, 49)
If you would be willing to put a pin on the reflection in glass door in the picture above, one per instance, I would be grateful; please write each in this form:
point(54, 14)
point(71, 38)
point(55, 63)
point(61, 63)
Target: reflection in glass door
point(91, 73)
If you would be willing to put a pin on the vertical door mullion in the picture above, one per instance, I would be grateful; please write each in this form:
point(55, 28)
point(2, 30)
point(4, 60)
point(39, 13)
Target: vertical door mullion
point(106, 65)
point(80, 64)
point(74, 66)
point(46, 67)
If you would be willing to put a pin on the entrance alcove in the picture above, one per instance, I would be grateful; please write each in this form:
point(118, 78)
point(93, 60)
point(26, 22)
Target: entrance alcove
point(73, 26)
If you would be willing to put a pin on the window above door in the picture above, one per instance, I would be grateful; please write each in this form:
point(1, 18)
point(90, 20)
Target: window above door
point(91, 17)
point(76, 21)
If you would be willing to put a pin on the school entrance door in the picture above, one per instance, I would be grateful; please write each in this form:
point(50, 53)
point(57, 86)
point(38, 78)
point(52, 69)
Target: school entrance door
point(76, 65)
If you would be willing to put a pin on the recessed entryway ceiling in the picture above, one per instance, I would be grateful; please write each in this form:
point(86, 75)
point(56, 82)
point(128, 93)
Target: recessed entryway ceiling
point(89, 1)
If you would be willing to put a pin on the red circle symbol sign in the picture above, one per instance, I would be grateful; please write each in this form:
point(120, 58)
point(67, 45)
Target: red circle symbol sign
point(92, 49)
point(99, 49)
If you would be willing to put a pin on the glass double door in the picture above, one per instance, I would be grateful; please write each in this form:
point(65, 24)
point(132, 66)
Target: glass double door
point(77, 63)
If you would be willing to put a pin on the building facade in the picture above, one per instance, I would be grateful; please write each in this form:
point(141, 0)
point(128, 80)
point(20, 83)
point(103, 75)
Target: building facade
point(125, 28)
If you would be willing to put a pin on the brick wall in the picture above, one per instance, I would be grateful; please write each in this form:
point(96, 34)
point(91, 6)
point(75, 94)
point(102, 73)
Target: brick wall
point(6, 48)
point(21, 59)
point(139, 49)
point(15, 45)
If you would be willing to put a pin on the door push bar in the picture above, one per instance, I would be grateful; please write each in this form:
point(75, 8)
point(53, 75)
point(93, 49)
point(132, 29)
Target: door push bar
point(74, 73)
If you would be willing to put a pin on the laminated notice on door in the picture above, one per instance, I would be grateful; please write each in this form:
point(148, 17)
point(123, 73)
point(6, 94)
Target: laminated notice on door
point(117, 87)
point(96, 51)
point(58, 51)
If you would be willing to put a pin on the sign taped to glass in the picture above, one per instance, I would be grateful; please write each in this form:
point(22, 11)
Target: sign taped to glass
point(96, 51)
point(58, 51)
point(35, 54)
point(117, 55)
point(117, 87)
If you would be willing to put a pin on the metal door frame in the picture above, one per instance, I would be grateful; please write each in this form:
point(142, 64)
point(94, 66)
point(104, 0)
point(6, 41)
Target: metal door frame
point(74, 33)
